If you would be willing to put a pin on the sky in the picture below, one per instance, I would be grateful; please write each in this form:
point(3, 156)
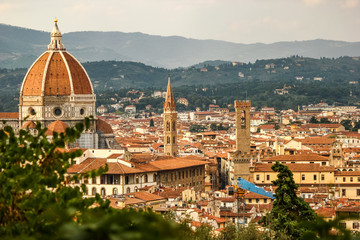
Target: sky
point(240, 21)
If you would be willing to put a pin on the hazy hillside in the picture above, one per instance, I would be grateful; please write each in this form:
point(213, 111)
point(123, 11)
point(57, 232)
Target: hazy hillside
point(19, 47)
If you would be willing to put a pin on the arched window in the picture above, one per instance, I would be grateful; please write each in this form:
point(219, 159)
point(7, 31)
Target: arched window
point(115, 191)
point(135, 189)
point(137, 179)
point(173, 126)
point(128, 190)
point(243, 119)
point(174, 140)
point(93, 191)
point(103, 192)
point(145, 178)
point(168, 140)
point(167, 126)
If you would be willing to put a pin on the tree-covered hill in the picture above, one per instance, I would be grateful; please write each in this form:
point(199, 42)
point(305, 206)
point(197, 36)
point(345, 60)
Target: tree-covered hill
point(298, 81)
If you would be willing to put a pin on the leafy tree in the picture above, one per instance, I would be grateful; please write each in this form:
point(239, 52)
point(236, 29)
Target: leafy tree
point(288, 209)
point(35, 202)
point(197, 128)
point(313, 120)
point(324, 120)
point(346, 124)
point(322, 229)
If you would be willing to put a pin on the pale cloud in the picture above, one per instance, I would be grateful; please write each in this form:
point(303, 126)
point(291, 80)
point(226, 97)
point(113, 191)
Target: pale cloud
point(349, 3)
point(313, 2)
point(7, 6)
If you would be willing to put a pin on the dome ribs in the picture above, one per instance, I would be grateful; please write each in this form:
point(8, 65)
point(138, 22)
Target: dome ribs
point(81, 82)
point(33, 80)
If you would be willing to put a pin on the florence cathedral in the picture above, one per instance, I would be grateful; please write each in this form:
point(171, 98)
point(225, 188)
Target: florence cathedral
point(57, 92)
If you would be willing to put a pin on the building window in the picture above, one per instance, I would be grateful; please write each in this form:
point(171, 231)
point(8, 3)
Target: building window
point(126, 179)
point(137, 179)
point(358, 179)
point(358, 192)
point(344, 179)
point(93, 191)
point(257, 177)
point(250, 200)
point(303, 177)
point(115, 191)
point(267, 177)
point(322, 177)
point(103, 192)
point(57, 112)
point(355, 225)
point(342, 225)
point(187, 174)
point(265, 200)
point(128, 190)
point(94, 180)
point(343, 192)
point(351, 179)
point(315, 177)
point(102, 179)
point(257, 200)
point(145, 178)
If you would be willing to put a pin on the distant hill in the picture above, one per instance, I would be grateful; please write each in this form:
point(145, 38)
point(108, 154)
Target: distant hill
point(19, 47)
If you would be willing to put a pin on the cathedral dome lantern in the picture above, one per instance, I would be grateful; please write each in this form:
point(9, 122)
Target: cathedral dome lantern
point(56, 86)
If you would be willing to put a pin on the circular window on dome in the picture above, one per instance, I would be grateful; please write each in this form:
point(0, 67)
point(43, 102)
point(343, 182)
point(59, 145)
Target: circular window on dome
point(82, 111)
point(57, 112)
point(31, 111)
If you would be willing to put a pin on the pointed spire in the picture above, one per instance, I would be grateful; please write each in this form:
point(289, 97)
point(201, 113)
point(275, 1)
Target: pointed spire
point(55, 43)
point(169, 100)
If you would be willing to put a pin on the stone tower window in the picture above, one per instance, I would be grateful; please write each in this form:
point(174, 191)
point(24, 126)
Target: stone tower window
point(173, 126)
point(82, 111)
point(167, 126)
point(243, 119)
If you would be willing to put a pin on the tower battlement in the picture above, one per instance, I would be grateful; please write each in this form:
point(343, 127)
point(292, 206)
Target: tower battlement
point(242, 103)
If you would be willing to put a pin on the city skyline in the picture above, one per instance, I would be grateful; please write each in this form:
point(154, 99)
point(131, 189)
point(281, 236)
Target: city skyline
point(242, 21)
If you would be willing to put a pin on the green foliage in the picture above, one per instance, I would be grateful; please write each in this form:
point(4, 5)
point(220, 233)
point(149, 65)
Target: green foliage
point(288, 209)
point(151, 123)
point(325, 230)
point(216, 127)
point(197, 128)
point(313, 120)
point(35, 202)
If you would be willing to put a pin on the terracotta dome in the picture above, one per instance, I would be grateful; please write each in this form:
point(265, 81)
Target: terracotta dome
point(56, 126)
point(56, 72)
point(103, 127)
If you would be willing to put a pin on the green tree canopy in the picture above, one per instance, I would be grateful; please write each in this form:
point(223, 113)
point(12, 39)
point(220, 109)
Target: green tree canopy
point(288, 209)
point(35, 203)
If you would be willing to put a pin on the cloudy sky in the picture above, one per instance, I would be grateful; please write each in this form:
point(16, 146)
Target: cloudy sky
point(241, 21)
